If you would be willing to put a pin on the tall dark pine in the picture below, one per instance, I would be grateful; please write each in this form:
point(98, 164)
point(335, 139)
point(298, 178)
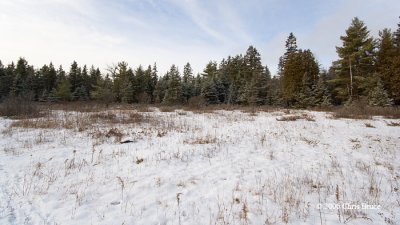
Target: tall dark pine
point(75, 77)
point(395, 68)
point(173, 93)
point(187, 82)
point(291, 47)
point(356, 61)
point(23, 77)
point(6, 80)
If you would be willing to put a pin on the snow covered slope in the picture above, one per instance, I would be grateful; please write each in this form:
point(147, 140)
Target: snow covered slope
point(222, 167)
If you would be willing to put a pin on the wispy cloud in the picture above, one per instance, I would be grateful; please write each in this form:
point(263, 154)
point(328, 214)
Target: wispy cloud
point(102, 32)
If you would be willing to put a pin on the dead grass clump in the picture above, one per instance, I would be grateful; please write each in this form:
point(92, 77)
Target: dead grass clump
point(369, 125)
point(303, 116)
point(19, 107)
point(202, 140)
point(289, 118)
point(393, 124)
point(365, 112)
point(167, 108)
point(114, 132)
point(36, 124)
point(143, 108)
point(78, 106)
point(123, 117)
point(136, 118)
point(351, 113)
point(107, 117)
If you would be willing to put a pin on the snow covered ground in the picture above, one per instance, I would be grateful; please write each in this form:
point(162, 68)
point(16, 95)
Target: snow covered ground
point(221, 167)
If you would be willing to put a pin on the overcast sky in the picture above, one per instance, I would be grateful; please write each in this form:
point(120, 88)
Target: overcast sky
point(103, 32)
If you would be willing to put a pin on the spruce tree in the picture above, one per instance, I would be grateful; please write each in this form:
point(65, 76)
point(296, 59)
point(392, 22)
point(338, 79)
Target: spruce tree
point(63, 90)
point(6, 80)
point(378, 96)
point(356, 61)
point(187, 83)
point(75, 76)
point(23, 79)
point(173, 94)
point(395, 68)
point(209, 91)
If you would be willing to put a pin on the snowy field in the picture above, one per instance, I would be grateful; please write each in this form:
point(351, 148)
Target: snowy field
point(182, 167)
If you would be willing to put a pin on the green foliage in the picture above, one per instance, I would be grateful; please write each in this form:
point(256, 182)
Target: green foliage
point(210, 92)
point(188, 83)
point(356, 60)
point(299, 77)
point(378, 96)
point(64, 90)
point(173, 94)
point(102, 91)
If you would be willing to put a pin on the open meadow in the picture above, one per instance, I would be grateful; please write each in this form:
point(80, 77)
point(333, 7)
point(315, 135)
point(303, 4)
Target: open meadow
point(151, 165)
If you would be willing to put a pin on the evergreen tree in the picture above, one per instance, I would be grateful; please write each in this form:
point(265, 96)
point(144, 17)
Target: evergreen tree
point(209, 91)
point(173, 93)
point(6, 80)
point(23, 79)
point(385, 56)
point(154, 80)
point(94, 77)
point(378, 96)
point(187, 83)
point(291, 47)
point(356, 61)
point(197, 85)
point(61, 76)
point(86, 81)
point(63, 90)
point(75, 76)
point(299, 76)
point(119, 78)
point(394, 86)
point(102, 91)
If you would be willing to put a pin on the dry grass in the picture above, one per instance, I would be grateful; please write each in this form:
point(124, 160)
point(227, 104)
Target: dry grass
point(83, 121)
point(303, 116)
point(393, 124)
point(208, 139)
point(365, 112)
point(17, 107)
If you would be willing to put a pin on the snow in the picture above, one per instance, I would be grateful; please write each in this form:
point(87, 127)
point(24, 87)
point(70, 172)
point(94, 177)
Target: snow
point(220, 167)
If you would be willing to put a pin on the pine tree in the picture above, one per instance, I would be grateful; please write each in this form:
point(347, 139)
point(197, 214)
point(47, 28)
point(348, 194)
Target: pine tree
point(119, 78)
point(187, 83)
point(299, 76)
point(385, 56)
point(378, 96)
point(75, 76)
point(86, 81)
point(291, 47)
point(395, 68)
point(23, 78)
point(173, 93)
point(154, 80)
point(6, 80)
point(64, 90)
point(356, 61)
point(209, 91)
point(197, 85)
point(102, 91)
point(94, 76)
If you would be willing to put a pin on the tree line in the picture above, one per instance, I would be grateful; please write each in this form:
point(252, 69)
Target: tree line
point(367, 68)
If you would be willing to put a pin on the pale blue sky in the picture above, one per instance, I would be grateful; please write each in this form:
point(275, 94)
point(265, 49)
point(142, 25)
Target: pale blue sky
point(178, 31)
